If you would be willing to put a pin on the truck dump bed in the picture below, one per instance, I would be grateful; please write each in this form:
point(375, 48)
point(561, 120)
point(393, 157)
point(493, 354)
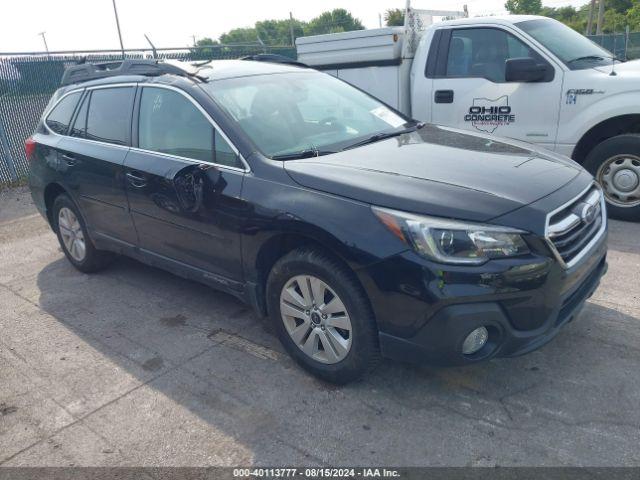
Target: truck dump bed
point(380, 46)
point(369, 59)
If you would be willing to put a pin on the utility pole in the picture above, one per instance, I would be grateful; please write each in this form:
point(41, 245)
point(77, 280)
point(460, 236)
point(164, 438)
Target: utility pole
point(600, 17)
point(626, 41)
point(115, 10)
point(590, 22)
point(194, 40)
point(44, 39)
point(293, 40)
point(380, 20)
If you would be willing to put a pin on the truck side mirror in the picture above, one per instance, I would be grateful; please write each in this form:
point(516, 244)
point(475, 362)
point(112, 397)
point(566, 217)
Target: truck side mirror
point(524, 70)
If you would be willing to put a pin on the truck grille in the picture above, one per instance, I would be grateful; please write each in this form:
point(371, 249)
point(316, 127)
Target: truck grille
point(573, 228)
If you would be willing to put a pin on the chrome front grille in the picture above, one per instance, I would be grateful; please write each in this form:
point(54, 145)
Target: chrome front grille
point(576, 226)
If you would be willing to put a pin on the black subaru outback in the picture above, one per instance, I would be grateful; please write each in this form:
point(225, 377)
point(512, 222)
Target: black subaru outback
point(360, 232)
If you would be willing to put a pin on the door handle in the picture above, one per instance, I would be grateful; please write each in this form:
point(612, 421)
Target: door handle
point(444, 96)
point(135, 180)
point(69, 159)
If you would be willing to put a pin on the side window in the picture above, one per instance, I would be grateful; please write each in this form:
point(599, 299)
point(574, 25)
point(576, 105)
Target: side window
point(60, 117)
point(224, 154)
point(482, 52)
point(109, 115)
point(170, 123)
point(80, 123)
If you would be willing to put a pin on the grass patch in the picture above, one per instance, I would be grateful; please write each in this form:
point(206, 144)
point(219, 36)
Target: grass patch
point(6, 185)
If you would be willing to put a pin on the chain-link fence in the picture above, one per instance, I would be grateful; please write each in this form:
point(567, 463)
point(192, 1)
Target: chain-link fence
point(27, 82)
point(626, 46)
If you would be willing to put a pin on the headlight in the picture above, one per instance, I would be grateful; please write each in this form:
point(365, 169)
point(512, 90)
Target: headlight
point(450, 241)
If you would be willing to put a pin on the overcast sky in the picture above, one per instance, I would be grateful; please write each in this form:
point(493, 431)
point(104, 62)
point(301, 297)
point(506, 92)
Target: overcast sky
point(90, 24)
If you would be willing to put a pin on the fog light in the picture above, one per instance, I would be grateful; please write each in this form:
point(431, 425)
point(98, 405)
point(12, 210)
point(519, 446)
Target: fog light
point(475, 341)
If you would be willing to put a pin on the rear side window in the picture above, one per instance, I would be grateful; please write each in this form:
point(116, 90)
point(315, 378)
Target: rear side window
point(170, 123)
point(109, 115)
point(80, 123)
point(60, 117)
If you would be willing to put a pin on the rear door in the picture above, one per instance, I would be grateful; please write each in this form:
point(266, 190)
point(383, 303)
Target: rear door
point(93, 154)
point(470, 90)
point(184, 180)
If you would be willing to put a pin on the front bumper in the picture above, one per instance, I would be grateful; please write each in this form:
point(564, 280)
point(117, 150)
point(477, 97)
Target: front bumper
point(424, 314)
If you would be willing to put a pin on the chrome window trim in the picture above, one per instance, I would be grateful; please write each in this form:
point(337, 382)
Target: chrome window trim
point(213, 124)
point(191, 160)
point(592, 242)
point(82, 90)
point(247, 168)
point(45, 115)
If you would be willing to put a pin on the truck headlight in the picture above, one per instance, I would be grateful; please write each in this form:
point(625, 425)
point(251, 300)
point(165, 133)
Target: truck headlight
point(451, 241)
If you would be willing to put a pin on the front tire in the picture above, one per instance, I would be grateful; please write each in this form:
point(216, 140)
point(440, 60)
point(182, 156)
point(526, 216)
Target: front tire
point(616, 165)
point(333, 336)
point(74, 239)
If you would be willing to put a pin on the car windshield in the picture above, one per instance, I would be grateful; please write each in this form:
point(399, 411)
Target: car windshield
point(574, 49)
point(305, 113)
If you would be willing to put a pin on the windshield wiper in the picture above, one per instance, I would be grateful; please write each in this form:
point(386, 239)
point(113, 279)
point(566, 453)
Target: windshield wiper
point(308, 153)
point(384, 135)
point(588, 57)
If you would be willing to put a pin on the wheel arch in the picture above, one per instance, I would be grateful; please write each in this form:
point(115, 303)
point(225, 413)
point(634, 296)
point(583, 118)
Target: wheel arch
point(51, 192)
point(611, 127)
point(280, 245)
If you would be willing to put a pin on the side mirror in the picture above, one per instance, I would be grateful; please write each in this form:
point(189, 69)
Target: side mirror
point(524, 70)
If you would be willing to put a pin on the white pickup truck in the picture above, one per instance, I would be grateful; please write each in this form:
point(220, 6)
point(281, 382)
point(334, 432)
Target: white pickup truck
point(524, 77)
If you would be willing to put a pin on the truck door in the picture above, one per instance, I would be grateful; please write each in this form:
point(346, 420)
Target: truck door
point(472, 90)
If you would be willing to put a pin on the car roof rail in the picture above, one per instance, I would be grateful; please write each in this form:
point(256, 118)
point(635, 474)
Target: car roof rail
point(148, 67)
point(274, 58)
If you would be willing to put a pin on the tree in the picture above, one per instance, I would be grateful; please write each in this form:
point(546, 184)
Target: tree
point(633, 17)
point(239, 35)
point(613, 22)
point(620, 6)
point(278, 32)
point(618, 14)
point(338, 20)
point(203, 51)
point(525, 7)
point(394, 17)
point(571, 17)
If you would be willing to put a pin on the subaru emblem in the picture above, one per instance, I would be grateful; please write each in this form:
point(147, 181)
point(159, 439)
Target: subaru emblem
point(588, 213)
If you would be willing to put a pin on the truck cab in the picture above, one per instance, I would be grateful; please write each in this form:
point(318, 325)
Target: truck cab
point(525, 77)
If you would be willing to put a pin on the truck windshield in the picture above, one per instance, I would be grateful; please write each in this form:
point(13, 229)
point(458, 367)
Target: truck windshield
point(574, 49)
point(297, 115)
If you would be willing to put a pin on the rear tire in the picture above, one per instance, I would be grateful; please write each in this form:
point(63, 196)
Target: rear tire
point(616, 165)
point(338, 340)
point(74, 238)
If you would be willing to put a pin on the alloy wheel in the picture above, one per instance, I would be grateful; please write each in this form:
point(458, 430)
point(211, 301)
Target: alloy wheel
point(71, 233)
point(316, 319)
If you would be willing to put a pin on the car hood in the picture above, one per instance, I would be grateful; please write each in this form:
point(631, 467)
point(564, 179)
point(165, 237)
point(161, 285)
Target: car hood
point(439, 171)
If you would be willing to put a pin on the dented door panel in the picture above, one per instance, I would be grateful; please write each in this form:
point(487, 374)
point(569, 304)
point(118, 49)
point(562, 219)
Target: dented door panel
point(186, 211)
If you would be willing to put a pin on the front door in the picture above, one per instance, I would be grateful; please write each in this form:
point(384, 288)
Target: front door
point(183, 184)
point(471, 92)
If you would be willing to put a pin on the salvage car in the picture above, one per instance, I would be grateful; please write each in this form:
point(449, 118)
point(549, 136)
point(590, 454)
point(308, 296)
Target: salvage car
point(359, 232)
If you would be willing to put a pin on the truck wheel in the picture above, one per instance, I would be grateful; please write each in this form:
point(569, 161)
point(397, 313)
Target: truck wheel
point(322, 316)
point(616, 165)
point(74, 239)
